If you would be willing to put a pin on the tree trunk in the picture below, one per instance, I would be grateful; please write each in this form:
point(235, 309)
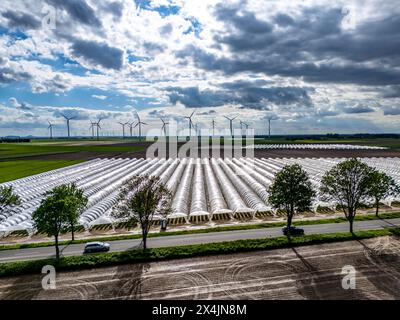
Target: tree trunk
point(57, 249)
point(351, 225)
point(72, 231)
point(289, 219)
point(144, 242)
point(377, 208)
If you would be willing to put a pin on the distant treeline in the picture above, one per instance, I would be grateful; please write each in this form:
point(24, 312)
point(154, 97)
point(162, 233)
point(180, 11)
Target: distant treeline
point(14, 139)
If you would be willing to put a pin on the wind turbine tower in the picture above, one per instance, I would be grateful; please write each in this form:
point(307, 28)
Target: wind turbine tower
point(123, 128)
point(230, 123)
point(50, 127)
point(140, 126)
point(190, 122)
point(68, 120)
point(164, 126)
point(97, 124)
point(213, 126)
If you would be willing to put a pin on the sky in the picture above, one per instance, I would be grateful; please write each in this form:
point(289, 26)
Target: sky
point(313, 66)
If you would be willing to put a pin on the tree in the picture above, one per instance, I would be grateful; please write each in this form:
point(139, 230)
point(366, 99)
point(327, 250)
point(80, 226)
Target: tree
point(381, 186)
point(347, 184)
point(292, 191)
point(8, 198)
point(76, 203)
point(59, 210)
point(140, 199)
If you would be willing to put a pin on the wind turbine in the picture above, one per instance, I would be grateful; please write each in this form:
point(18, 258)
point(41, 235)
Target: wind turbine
point(164, 126)
point(130, 124)
point(140, 126)
point(190, 122)
point(123, 128)
point(50, 127)
point(213, 126)
point(97, 124)
point(230, 123)
point(269, 118)
point(196, 129)
point(92, 125)
point(68, 120)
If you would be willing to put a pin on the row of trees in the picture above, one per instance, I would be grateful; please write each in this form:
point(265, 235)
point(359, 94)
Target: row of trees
point(349, 184)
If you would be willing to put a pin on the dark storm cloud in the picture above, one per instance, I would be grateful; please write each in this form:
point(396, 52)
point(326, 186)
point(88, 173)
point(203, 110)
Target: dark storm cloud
point(311, 72)
point(192, 97)
point(21, 20)
point(153, 47)
point(247, 94)
point(207, 113)
point(8, 75)
point(116, 8)
point(390, 92)
point(359, 108)
point(283, 20)
point(98, 54)
point(311, 46)
point(391, 111)
point(326, 113)
point(79, 11)
point(246, 21)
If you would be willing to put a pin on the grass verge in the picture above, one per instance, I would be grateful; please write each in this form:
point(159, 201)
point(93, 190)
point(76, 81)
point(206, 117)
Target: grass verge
point(132, 256)
point(391, 215)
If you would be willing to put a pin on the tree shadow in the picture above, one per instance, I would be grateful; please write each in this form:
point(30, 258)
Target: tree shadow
point(125, 284)
point(388, 222)
point(26, 287)
point(385, 269)
point(315, 284)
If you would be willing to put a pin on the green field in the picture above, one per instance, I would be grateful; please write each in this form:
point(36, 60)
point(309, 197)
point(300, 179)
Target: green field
point(18, 150)
point(11, 170)
point(14, 163)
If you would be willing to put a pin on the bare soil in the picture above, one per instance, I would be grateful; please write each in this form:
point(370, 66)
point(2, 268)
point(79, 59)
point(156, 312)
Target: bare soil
point(281, 153)
point(309, 272)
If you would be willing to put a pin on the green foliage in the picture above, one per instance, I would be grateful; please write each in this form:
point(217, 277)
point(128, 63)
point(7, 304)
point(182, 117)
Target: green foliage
point(381, 186)
point(132, 256)
point(291, 190)
point(140, 199)
point(59, 210)
point(8, 198)
point(76, 202)
point(347, 183)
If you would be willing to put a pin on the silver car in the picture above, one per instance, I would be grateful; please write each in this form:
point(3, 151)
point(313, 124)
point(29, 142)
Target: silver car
point(96, 247)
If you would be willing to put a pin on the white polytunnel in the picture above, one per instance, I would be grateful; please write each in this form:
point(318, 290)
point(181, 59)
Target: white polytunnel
point(201, 188)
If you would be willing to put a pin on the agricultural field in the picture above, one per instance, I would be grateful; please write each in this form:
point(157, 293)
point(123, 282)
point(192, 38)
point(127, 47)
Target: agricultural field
point(203, 189)
point(21, 150)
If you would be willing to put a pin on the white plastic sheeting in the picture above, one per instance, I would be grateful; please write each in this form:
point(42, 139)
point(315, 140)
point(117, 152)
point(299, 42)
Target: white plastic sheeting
point(323, 146)
point(200, 187)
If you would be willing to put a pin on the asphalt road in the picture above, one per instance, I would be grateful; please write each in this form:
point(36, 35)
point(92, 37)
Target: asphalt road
point(170, 241)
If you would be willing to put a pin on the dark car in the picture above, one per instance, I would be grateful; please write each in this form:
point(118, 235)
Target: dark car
point(294, 231)
point(96, 247)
